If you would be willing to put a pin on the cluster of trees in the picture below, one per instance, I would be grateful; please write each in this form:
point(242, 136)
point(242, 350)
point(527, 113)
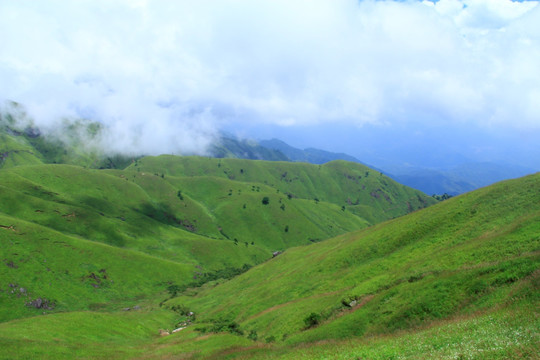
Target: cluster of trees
point(226, 273)
point(442, 197)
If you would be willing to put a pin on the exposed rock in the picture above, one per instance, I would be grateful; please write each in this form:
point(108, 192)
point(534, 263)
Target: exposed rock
point(136, 307)
point(126, 309)
point(40, 303)
point(276, 253)
point(163, 332)
point(179, 329)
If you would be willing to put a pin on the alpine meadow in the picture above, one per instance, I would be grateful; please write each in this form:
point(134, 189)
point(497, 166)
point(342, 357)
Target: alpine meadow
point(105, 257)
point(270, 179)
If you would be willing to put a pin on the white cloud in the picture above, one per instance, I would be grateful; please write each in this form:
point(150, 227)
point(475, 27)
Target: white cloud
point(168, 73)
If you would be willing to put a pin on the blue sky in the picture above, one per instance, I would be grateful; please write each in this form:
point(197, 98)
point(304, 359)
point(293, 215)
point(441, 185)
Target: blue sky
point(165, 76)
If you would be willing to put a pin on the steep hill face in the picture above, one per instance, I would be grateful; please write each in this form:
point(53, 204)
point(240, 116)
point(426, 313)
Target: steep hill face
point(474, 253)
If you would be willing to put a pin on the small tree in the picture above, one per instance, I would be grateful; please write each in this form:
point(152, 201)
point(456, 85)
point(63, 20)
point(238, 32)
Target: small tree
point(265, 200)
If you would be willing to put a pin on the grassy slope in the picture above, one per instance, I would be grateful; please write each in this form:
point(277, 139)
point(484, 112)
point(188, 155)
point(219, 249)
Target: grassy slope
point(16, 151)
point(74, 273)
point(110, 209)
point(468, 254)
point(75, 142)
point(237, 209)
point(216, 212)
point(143, 211)
point(84, 334)
point(361, 190)
point(472, 259)
point(509, 333)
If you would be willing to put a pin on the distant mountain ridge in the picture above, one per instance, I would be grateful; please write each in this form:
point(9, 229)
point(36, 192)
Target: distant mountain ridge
point(228, 146)
point(309, 155)
point(453, 181)
point(460, 179)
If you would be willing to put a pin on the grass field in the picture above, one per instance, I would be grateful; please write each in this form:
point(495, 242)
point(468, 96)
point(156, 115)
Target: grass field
point(469, 254)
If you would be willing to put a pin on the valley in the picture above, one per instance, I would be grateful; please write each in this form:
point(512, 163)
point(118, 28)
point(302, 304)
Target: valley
point(255, 259)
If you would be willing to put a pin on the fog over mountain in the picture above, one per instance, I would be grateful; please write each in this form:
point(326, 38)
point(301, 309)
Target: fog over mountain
point(393, 83)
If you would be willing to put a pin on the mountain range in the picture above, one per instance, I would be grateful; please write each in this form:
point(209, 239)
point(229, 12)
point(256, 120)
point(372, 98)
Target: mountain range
point(143, 257)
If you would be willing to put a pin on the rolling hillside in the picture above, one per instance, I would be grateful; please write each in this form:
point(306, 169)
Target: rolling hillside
point(466, 257)
point(355, 187)
point(445, 282)
point(94, 262)
point(206, 222)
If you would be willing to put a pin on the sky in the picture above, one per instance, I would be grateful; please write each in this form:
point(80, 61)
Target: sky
point(424, 83)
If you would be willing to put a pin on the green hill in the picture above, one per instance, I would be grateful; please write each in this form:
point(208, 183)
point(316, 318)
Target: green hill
point(72, 142)
point(459, 279)
point(208, 223)
point(466, 257)
point(94, 262)
point(355, 187)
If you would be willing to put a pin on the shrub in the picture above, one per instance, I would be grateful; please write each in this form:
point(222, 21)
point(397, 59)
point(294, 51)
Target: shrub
point(312, 320)
point(226, 326)
point(253, 335)
point(270, 339)
point(174, 289)
point(265, 200)
point(180, 309)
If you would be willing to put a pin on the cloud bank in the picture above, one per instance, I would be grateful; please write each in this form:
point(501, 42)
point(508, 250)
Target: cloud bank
point(164, 76)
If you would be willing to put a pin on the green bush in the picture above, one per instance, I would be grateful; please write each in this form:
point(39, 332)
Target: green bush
point(312, 320)
point(253, 335)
